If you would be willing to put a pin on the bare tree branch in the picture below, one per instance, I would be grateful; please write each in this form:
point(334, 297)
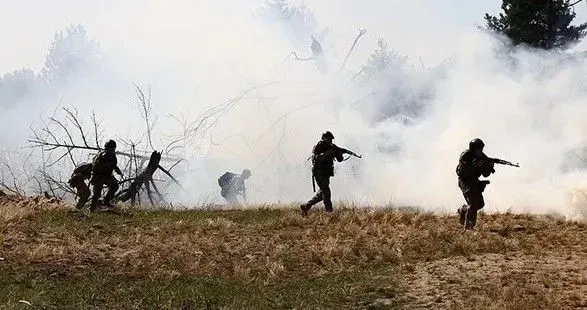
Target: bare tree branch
point(73, 118)
point(146, 108)
point(361, 33)
point(96, 128)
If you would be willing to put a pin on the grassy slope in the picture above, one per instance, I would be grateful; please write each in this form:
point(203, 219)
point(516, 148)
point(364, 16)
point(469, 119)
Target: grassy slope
point(275, 259)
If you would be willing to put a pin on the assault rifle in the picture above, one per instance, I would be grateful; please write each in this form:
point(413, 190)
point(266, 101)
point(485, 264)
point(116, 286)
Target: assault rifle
point(345, 151)
point(502, 162)
point(338, 149)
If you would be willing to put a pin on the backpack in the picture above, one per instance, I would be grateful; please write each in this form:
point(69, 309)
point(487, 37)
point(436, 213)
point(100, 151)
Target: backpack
point(84, 169)
point(224, 179)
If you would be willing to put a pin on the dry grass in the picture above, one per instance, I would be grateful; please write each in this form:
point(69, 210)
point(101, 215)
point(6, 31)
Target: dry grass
point(274, 258)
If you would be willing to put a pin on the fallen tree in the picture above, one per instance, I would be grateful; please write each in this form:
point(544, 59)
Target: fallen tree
point(65, 142)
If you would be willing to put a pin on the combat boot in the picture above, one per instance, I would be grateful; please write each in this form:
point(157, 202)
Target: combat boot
point(471, 219)
point(462, 211)
point(305, 209)
point(108, 204)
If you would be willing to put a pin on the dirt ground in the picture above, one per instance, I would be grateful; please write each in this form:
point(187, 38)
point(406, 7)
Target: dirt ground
point(498, 281)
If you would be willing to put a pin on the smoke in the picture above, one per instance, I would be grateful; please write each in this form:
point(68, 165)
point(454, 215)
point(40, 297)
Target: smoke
point(410, 120)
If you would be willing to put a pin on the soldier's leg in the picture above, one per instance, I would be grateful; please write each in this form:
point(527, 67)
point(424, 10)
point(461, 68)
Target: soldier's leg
point(83, 192)
point(314, 200)
point(462, 211)
point(231, 198)
point(97, 192)
point(112, 184)
point(320, 194)
point(326, 194)
point(476, 203)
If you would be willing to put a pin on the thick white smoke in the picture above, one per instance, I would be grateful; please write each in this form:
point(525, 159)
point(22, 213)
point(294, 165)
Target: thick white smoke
point(458, 83)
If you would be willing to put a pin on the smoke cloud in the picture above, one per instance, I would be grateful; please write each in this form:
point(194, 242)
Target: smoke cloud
point(445, 83)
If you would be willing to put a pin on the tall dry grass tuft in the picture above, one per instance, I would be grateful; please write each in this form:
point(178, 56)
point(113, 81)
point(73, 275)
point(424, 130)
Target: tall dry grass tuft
point(15, 207)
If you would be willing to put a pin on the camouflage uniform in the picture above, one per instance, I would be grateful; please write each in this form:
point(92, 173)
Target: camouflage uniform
point(472, 166)
point(324, 153)
point(234, 187)
point(78, 181)
point(104, 164)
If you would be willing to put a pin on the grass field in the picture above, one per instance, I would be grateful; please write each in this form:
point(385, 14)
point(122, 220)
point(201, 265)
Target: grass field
point(53, 258)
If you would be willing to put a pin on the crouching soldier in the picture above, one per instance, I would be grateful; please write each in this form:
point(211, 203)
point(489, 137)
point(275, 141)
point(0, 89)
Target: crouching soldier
point(80, 175)
point(232, 184)
point(104, 164)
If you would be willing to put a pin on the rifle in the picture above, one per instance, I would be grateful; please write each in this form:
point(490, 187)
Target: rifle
point(345, 151)
point(502, 162)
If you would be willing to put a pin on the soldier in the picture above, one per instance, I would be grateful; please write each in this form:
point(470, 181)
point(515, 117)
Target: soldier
point(473, 163)
point(78, 179)
point(232, 184)
point(323, 156)
point(104, 164)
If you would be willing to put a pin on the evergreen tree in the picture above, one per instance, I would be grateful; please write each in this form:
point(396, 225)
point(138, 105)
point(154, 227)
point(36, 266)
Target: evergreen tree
point(544, 24)
point(70, 52)
point(382, 60)
point(16, 85)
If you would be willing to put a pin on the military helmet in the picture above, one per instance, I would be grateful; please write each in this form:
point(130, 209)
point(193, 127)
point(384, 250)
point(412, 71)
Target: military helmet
point(110, 144)
point(246, 172)
point(327, 135)
point(476, 144)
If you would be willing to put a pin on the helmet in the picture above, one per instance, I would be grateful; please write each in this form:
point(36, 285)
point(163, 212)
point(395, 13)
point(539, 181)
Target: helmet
point(476, 144)
point(246, 172)
point(110, 144)
point(327, 135)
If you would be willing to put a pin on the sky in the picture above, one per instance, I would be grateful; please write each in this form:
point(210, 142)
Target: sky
point(29, 25)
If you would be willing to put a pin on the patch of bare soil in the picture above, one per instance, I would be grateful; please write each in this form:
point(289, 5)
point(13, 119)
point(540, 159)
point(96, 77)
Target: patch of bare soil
point(496, 281)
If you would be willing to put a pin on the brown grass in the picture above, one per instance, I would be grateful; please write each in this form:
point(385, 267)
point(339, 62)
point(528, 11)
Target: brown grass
point(355, 258)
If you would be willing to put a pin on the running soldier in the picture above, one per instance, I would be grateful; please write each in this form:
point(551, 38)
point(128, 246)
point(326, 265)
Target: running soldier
point(323, 156)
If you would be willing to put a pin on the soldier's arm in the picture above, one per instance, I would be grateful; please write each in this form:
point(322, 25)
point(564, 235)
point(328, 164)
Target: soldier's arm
point(333, 151)
point(116, 169)
point(336, 152)
point(468, 165)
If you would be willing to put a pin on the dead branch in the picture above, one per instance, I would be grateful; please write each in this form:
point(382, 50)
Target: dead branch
point(355, 76)
point(145, 179)
point(146, 108)
point(171, 176)
point(52, 146)
point(14, 188)
point(210, 117)
point(73, 118)
point(96, 128)
point(296, 57)
point(361, 33)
